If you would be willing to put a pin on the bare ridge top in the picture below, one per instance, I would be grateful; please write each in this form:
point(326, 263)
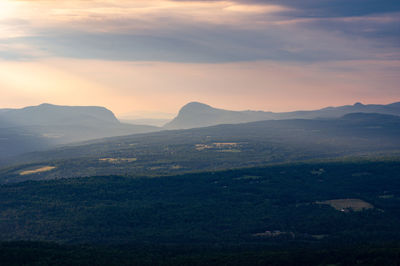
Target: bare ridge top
point(195, 106)
point(49, 114)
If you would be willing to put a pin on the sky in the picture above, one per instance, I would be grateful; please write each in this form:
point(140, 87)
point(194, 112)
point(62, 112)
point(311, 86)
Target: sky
point(152, 57)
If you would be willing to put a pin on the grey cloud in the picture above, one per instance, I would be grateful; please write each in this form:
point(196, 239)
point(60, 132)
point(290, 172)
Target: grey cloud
point(380, 31)
point(335, 16)
point(15, 56)
point(328, 8)
point(315, 38)
point(202, 44)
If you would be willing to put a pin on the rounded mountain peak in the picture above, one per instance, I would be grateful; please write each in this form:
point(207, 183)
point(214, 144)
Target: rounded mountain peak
point(195, 106)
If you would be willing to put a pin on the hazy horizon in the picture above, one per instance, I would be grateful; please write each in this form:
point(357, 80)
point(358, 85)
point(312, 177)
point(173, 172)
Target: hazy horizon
point(144, 114)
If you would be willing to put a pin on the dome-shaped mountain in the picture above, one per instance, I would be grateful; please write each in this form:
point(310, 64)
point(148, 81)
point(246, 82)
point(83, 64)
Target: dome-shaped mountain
point(196, 106)
point(195, 114)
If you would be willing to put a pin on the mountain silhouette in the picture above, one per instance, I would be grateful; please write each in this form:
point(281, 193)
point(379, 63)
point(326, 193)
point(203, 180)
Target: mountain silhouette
point(46, 125)
point(197, 114)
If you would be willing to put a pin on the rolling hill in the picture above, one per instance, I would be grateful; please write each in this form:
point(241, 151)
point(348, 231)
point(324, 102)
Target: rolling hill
point(214, 148)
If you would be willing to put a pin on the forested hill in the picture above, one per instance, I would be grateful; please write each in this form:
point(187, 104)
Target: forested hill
point(217, 147)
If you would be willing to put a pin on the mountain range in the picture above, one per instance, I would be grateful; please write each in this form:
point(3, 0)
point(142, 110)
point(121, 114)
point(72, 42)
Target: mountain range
point(197, 114)
point(46, 126)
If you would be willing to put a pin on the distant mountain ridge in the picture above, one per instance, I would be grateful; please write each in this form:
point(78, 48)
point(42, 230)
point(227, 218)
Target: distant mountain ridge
point(46, 125)
point(195, 114)
point(49, 114)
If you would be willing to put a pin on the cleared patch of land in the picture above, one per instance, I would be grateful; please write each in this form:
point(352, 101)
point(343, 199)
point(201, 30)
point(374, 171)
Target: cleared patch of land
point(273, 234)
point(345, 205)
point(201, 147)
point(37, 170)
point(225, 146)
point(248, 177)
point(318, 172)
point(117, 160)
point(386, 196)
point(231, 150)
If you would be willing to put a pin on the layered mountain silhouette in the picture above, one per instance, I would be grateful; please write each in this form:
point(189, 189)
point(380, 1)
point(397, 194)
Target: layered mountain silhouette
point(45, 126)
point(197, 114)
point(40, 127)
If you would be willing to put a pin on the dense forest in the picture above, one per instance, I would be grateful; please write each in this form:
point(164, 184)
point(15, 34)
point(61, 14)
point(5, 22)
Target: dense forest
point(42, 253)
point(262, 212)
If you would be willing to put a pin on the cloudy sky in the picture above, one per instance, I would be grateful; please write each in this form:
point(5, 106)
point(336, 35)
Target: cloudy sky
point(156, 55)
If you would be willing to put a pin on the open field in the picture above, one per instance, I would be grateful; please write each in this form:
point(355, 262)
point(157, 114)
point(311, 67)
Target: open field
point(37, 170)
point(118, 160)
point(347, 204)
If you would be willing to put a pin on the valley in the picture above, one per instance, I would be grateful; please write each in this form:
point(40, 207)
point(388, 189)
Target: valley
point(216, 148)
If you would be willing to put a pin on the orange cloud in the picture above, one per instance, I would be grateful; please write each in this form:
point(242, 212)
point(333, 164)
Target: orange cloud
point(86, 15)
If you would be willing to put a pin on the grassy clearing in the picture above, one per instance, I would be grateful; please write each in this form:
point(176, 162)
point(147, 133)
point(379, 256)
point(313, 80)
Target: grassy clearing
point(275, 233)
point(117, 160)
point(248, 177)
point(37, 170)
point(345, 205)
point(220, 146)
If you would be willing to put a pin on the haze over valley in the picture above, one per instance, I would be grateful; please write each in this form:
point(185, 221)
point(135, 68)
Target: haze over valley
point(328, 133)
point(45, 126)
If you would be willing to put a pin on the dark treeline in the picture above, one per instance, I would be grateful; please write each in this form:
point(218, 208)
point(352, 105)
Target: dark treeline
point(42, 253)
